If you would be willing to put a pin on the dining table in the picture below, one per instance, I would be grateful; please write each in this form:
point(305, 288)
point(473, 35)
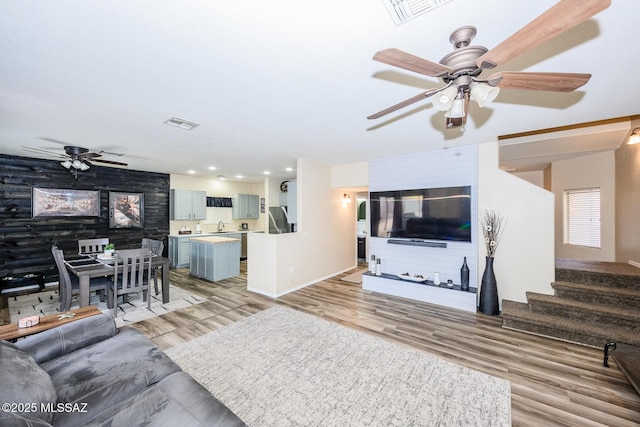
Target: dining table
point(89, 266)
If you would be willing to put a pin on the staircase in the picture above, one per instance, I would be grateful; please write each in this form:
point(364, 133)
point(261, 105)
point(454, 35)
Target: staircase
point(593, 303)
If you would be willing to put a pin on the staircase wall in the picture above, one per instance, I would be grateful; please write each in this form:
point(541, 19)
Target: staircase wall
point(525, 259)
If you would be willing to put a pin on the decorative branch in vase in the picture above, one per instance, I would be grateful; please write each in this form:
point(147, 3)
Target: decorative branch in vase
point(492, 227)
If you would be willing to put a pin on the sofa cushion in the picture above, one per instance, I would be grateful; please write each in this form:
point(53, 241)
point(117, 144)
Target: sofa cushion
point(177, 400)
point(24, 383)
point(66, 338)
point(105, 373)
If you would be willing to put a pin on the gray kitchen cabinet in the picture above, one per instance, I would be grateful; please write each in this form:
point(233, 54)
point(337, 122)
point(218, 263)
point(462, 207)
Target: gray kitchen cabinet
point(188, 205)
point(246, 206)
point(179, 250)
point(215, 260)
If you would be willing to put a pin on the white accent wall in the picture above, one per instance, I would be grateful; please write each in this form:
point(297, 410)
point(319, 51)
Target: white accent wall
point(434, 169)
point(525, 260)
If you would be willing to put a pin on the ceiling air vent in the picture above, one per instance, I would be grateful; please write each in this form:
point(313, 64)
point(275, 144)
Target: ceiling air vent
point(181, 123)
point(403, 10)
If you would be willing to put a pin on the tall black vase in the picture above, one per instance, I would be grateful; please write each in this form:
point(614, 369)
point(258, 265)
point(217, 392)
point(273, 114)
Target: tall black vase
point(489, 290)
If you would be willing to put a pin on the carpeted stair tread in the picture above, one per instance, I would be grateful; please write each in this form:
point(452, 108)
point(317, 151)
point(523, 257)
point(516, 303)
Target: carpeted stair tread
point(624, 297)
point(597, 288)
point(516, 315)
point(584, 311)
point(606, 267)
point(613, 274)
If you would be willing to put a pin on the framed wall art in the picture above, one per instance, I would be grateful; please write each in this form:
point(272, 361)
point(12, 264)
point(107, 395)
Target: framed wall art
point(126, 210)
point(64, 202)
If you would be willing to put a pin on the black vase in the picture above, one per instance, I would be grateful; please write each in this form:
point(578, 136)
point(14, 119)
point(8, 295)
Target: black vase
point(464, 276)
point(489, 290)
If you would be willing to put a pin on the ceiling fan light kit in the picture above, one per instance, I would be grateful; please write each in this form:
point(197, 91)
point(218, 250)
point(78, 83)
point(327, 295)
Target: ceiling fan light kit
point(484, 94)
point(461, 68)
point(444, 100)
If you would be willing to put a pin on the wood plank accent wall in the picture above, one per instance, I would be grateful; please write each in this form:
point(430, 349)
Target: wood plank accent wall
point(25, 242)
point(441, 168)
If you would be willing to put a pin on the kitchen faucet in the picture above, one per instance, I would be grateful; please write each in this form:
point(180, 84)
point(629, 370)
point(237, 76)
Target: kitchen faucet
point(220, 226)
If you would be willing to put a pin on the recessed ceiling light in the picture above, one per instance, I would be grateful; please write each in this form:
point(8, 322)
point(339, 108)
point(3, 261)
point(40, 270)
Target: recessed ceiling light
point(212, 168)
point(239, 176)
point(191, 171)
point(289, 169)
point(267, 172)
point(181, 123)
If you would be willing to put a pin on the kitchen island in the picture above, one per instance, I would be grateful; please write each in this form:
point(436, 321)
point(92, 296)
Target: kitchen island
point(180, 245)
point(214, 257)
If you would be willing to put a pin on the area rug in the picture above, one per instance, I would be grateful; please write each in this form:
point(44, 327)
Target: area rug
point(282, 367)
point(134, 310)
point(354, 277)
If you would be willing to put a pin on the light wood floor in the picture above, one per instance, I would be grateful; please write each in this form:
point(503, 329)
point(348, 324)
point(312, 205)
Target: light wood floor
point(552, 383)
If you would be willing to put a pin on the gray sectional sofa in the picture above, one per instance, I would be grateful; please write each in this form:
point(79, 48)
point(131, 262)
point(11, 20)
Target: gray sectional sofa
point(89, 373)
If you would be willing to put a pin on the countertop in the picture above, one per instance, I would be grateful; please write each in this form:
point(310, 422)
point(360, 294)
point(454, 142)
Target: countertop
point(222, 233)
point(214, 239)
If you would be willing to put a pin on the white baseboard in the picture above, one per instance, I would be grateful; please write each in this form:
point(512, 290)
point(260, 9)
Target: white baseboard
point(634, 263)
point(304, 285)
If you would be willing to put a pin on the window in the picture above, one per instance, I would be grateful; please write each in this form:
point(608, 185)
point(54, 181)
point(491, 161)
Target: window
point(582, 217)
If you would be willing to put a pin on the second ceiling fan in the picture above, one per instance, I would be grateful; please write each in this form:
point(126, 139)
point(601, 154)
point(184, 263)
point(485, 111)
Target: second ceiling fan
point(460, 70)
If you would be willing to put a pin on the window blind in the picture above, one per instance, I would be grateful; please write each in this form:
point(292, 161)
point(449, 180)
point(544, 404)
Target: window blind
point(582, 217)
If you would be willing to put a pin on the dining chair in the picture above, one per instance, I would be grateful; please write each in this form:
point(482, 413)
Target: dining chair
point(157, 247)
point(69, 285)
point(132, 273)
point(92, 246)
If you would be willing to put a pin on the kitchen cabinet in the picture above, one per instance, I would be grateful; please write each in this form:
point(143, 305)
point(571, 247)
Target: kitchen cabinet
point(188, 205)
point(246, 206)
point(215, 258)
point(179, 251)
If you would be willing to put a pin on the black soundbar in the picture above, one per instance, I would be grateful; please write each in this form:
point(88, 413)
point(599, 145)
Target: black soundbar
point(416, 242)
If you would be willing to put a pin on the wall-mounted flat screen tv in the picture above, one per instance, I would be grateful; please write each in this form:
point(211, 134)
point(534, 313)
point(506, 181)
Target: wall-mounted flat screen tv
point(429, 214)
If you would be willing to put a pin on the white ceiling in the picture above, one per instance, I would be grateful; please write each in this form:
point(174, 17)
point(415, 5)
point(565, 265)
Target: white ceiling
point(270, 82)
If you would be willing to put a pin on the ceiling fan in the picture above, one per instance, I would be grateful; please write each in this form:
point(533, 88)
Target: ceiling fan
point(78, 158)
point(460, 70)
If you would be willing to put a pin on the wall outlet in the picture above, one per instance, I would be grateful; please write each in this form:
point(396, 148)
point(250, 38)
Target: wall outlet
point(291, 271)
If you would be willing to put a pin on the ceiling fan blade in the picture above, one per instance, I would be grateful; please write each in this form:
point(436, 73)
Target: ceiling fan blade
point(49, 153)
point(404, 103)
point(109, 162)
point(411, 62)
point(559, 18)
point(557, 82)
point(91, 155)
